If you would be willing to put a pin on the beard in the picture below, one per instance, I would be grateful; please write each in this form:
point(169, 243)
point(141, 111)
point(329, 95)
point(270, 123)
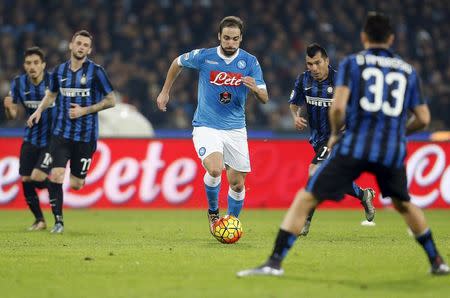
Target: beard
point(78, 56)
point(228, 52)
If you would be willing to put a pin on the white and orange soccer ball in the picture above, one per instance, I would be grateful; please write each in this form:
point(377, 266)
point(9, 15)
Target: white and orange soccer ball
point(227, 229)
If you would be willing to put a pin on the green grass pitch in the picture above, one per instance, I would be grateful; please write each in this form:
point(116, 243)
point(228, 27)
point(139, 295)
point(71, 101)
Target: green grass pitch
point(158, 253)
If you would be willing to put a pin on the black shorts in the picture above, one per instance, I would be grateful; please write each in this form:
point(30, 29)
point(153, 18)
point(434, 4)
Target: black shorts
point(322, 154)
point(335, 176)
point(33, 157)
point(79, 153)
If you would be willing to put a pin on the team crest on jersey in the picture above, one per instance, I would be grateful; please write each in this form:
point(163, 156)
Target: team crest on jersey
point(330, 90)
point(241, 64)
point(202, 151)
point(225, 97)
point(83, 80)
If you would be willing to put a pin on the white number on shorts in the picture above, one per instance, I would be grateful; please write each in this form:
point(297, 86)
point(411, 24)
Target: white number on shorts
point(47, 160)
point(323, 153)
point(86, 164)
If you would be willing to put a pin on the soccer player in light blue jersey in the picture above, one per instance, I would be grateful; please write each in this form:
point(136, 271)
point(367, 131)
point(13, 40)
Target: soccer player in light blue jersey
point(226, 75)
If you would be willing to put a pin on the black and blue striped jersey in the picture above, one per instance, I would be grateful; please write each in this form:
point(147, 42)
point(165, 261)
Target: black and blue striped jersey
point(85, 87)
point(317, 96)
point(23, 91)
point(383, 88)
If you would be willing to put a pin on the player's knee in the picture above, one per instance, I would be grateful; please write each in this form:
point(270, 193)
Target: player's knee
point(312, 169)
point(57, 176)
point(38, 176)
point(237, 187)
point(400, 206)
point(26, 179)
point(215, 172)
point(76, 184)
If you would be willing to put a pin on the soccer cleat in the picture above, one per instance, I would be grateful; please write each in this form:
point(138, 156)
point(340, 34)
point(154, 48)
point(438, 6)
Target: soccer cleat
point(38, 225)
point(58, 228)
point(367, 202)
point(261, 270)
point(213, 216)
point(439, 267)
point(305, 229)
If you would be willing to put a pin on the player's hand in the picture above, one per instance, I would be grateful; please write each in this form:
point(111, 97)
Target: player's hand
point(34, 118)
point(250, 83)
point(162, 100)
point(300, 123)
point(332, 141)
point(8, 102)
point(76, 111)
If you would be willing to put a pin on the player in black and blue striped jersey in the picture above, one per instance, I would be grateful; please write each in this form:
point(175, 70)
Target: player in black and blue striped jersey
point(81, 89)
point(375, 90)
point(314, 89)
point(28, 90)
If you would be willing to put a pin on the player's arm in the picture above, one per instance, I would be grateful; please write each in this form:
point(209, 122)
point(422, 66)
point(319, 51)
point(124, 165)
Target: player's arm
point(260, 93)
point(172, 74)
point(337, 113)
point(10, 108)
point(107, 102)
point(419, 120)
point(299, 122)
point(46, 102)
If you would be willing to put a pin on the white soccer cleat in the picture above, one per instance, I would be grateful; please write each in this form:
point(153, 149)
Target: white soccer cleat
point(262, 270)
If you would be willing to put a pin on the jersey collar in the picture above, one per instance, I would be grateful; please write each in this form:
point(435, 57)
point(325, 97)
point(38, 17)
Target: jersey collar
point(227, 59)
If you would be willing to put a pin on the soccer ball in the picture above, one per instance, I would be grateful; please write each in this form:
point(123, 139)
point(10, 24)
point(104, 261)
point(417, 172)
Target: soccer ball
point(227, 229)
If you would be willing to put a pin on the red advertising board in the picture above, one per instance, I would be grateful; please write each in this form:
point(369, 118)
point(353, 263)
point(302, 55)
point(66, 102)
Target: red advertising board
point(138, 173)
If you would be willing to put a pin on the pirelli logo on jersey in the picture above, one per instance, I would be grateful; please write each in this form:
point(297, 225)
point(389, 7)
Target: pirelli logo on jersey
point(319, 101)
point(222, 78)
point(75, 92)
point(33, 104)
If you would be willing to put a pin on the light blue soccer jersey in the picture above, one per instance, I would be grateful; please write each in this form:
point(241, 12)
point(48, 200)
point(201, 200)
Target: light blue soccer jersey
point(221, 93)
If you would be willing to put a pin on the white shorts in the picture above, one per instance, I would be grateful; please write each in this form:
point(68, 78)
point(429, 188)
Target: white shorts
point(231, 143)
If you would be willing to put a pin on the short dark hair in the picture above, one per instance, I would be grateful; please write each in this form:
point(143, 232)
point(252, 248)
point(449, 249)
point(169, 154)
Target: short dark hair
point(84, 33)
point(35, 51)
point(313, 48)
point(377, 27)
point(231, 21)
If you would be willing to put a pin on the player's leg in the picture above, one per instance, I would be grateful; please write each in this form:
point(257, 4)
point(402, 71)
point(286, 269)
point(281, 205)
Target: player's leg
point(236, 192)
point(312, 169)
point(329, 181)
point(366, 197)
point(209, 147)
point(393, 184)
point(213, 165)
point(237, 161)
point(291, 226)
point(27, 160)
point(80, 162)
point(60, 153)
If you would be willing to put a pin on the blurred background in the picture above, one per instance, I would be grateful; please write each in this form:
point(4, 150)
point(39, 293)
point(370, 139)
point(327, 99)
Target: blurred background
point(137, 40)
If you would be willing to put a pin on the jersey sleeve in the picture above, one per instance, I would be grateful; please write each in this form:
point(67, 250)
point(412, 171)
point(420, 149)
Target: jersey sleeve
point(53, 85)
point(415, 91)
point(344, 73)
point(103, 82)
point(257, 74)
point(191, 59)
point(15, 92)
point(297, 96)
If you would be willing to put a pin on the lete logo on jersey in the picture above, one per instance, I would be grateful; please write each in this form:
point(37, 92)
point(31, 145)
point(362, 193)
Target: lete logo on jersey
point(222, 78)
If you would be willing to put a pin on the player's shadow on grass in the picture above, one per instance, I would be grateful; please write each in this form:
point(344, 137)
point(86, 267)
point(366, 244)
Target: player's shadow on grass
point(377, 285)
